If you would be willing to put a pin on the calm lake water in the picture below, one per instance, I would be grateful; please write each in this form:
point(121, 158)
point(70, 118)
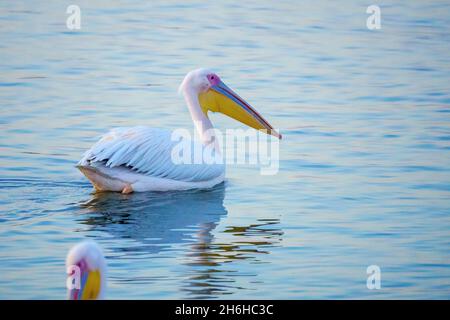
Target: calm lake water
point(364, 173)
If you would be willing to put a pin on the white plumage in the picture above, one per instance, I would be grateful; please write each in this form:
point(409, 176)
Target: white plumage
point(141, 156)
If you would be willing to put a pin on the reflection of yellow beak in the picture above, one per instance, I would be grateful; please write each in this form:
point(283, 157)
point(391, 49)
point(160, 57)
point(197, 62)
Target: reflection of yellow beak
point(222, 99)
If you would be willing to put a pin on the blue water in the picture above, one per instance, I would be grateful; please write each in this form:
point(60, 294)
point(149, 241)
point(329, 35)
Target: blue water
point(364, 173)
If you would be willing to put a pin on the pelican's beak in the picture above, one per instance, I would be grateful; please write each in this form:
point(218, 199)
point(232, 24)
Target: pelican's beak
point(220, 98)
point(90, 284)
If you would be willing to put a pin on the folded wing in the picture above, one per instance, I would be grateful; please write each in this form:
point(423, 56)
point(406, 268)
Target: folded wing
point(146, 151)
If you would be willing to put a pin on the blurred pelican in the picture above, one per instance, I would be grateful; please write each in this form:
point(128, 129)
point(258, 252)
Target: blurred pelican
point(139, 158)
point(86, 268)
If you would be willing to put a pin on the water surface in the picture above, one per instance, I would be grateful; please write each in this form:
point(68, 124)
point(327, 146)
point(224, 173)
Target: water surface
point(364, 173)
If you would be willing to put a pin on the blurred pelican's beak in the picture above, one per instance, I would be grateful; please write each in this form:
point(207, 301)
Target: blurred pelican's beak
point(220, 98)
point(90, 284)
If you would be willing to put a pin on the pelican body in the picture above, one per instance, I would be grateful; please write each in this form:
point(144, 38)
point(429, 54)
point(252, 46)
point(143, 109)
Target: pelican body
point(139, 158)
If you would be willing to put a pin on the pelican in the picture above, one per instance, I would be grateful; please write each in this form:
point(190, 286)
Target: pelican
point(138, 159)
point(86, 261)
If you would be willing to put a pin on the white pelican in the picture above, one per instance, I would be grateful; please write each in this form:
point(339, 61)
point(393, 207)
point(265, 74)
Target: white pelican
point(139, 158)
point(86, 261)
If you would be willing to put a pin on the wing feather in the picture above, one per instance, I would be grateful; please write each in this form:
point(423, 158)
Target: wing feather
point(147, 151)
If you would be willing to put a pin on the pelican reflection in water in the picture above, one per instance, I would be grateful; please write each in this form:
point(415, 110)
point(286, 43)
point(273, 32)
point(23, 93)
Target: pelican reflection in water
point(158, 222)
